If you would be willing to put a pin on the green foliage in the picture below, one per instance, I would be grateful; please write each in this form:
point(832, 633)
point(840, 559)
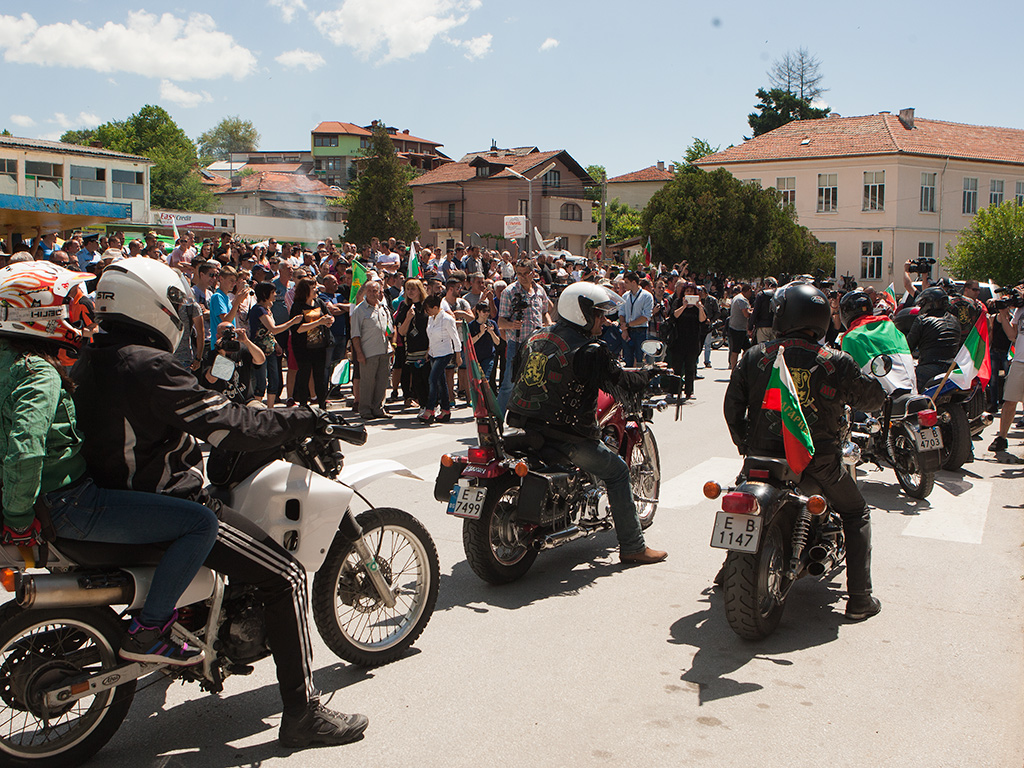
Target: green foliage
point(778, 107)
point(722, 225)
point(621, 223)
point(232, 134)
point(598, 174)
point(83, 137)
point(698, 149)
point(246, 172)
point(379, 201)
point(992, 247)
point(5, 132)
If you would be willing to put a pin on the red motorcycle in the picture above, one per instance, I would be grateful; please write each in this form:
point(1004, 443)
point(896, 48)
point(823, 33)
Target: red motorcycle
point(518, 496)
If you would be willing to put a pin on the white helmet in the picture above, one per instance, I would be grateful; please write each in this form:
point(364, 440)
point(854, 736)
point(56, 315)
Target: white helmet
point(580, 303)
point(146, 294)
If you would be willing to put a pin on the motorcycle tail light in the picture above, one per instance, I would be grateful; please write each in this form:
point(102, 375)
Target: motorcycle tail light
point(816, 505)
point(712, 490)
point(759, 474)
point(927, 418)
point(737, 503)
point(7, 579)
point(522, 469)
point(481, 455)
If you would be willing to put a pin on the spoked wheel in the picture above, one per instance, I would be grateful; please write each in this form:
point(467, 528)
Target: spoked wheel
point(45, 649)
point(645, 478)
point(912, 480)
point(755, 586)
point(495, 545)
point(353, 619)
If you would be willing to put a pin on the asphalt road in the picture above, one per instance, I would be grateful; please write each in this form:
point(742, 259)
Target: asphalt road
point(586, 663)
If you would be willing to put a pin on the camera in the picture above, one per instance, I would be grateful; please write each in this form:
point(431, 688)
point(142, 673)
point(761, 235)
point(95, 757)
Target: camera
point(921, 266)
point(519, 305)
point(1008, 299)
point(229, 341)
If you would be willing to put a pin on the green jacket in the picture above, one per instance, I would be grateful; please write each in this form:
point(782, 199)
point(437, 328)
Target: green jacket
point(39, 444)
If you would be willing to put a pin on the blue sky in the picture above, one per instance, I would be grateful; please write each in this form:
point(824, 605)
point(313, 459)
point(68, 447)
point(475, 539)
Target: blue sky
point(620, 84)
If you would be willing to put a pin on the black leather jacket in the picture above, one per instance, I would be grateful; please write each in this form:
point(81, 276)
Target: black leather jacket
point(826, 380)
point(936, 340)
point(557, 375)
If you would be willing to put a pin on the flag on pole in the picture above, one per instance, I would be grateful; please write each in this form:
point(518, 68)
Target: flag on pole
point(174, 226)
point(647, 252)
point(414, 263)
point(482, 398)
point(874, 335)
point(972, 359)
point(781, 396)
point(358, 278)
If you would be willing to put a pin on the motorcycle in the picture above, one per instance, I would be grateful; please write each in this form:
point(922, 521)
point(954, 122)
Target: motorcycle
point(962, 416)
point(718, 336)
point(518, 497)
point(63, 689)
point(775, 535)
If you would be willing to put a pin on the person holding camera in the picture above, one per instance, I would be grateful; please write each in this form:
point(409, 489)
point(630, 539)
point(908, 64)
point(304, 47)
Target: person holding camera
point(522, 311)
point(1013, 388)
point(921, 267)
point(934, 335)
point(688, 316)
point(230, 364)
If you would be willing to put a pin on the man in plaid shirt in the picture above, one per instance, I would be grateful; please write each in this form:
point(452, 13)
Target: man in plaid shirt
point(522, 311)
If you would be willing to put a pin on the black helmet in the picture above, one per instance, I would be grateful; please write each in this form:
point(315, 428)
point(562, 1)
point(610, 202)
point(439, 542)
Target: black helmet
point(932, 301)
point(854, 304)
point(801, 307)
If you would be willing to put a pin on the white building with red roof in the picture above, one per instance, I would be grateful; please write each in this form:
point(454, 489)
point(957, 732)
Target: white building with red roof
point(882, 189)
point(637, 188)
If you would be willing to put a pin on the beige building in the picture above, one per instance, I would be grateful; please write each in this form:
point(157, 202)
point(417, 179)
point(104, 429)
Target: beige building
point(637, 188)
point(882, 189)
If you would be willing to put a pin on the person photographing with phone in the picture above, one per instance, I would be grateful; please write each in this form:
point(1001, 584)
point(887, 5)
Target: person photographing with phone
point(688, 318)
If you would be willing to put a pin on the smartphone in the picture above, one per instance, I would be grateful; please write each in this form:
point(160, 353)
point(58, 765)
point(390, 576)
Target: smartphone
point(691, 300)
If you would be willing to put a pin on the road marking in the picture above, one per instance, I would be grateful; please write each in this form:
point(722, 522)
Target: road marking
point(382, 448)
point(686, 489)
point(954, 516)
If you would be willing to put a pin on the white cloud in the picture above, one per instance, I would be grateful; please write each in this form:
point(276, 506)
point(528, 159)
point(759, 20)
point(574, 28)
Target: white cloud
point(22, 121)
point(300, 58)
point(405, 27)
point(177, 95)
point(288, 8)
point(83, 120)
point(478, 46)
point(88, 119)
point(548, 44)
point(149, 45)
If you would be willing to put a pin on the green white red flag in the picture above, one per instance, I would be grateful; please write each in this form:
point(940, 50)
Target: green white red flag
point(874, 335)
point(485, 404)
point(972, 359)
point(414, 263)
point(781, 396)
point(358, 278)
point(647, 252)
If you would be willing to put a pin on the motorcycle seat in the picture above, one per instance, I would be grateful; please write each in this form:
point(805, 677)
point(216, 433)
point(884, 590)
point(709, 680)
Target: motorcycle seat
point(779, 468)
point(908, 403)
point(519, 442)
point(100, 554)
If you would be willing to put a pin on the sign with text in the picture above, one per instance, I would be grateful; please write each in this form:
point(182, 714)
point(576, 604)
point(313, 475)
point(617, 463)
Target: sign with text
point(515, 227)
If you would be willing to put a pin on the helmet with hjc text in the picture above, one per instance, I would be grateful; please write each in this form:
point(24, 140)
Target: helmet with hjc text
point(36, 302)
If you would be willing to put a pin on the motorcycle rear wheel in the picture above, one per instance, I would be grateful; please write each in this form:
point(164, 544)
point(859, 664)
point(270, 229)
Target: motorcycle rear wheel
point(903, 451)
point(493, 546)
point(957, 449)
point(43, 649)
point(753, 586)
point(645, 478)
point(352, 619)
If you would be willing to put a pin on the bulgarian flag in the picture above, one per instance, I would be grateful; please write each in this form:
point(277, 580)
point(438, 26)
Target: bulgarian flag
point(781, 396)
point(358, 278)
point(414, 263)
point(874, 335)
point(891, 293)
point(647, 252)
point(972, 359)
point(485, 405)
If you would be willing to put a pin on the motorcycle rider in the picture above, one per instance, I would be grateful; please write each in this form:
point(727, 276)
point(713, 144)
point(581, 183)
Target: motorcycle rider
point(856, 310)
point(557, 375)
point(934, 335)
point(826, 381)
point(141, 413)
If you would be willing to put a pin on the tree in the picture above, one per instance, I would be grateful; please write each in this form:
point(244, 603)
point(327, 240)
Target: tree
point(232, 134)
point(83, 137)
point(598, 174)
point(722, 225)
point(778, 107)
point(621, 223)
point(379, 201)
point(698, 149)
point(798, 73)
point(991, 248)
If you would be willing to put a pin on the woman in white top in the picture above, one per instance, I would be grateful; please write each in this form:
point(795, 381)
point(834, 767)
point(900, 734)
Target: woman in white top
point(443, 335)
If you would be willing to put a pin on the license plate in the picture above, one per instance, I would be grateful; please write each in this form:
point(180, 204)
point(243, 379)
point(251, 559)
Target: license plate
point(467, 501)
point(928, 439)
point(739, 533)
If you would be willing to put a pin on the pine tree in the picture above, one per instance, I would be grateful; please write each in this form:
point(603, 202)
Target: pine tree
point(379, 201)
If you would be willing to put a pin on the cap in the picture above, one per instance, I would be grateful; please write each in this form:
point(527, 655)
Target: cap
point(111, 253)
point(93, 238)
point(151, 233)
point(259, 269)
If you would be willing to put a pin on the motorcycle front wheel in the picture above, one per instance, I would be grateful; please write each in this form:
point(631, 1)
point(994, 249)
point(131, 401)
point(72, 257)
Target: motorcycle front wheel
point(753, 586)
point(352, 618)
point(45, 649)
point(906, 463)
point(645, 478)
point(494, 546)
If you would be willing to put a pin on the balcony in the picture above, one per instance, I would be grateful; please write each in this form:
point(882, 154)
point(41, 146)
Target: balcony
point(446, 222)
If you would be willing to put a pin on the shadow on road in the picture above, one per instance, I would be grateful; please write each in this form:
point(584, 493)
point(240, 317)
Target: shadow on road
point(810, 620)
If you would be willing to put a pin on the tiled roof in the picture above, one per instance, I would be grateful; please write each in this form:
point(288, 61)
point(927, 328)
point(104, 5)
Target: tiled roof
point(881, 134)
point(276, 167)
point(407, 137)
point(651, 173)
point(331, 126)
point(463, 171)
point(290, 183)
point(514, 151)
point(17, 142)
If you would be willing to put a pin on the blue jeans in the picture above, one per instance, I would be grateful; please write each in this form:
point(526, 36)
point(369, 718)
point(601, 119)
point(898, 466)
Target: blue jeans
point(439, 394)
point(505, 390)
point(632, 355)
point(85, 512)
point(707, 350)
point(598, 459)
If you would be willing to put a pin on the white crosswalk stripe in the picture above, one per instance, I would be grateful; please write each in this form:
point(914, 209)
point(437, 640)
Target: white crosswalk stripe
point(955, 515)
point(686, 489)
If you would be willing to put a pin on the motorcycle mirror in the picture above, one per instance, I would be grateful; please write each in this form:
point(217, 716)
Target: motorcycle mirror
point(653, 348)
point(881, 365)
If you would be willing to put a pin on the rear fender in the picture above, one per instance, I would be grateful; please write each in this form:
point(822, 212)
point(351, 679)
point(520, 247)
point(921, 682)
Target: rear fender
point(769, 498)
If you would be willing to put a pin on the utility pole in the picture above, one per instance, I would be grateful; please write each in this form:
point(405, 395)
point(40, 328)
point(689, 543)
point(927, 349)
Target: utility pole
point(604, 207)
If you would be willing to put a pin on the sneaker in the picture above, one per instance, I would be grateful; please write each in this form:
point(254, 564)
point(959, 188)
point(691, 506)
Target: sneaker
point(426, 416)
point(154, 645)
point(319, 726)
point(999, 444)
point(444, 416)
point(860, 607)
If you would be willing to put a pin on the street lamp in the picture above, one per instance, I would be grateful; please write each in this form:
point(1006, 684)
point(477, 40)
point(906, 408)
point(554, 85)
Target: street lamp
point(529, 203)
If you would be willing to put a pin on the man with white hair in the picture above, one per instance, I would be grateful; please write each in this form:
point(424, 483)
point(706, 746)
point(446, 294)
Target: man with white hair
point(370, 327)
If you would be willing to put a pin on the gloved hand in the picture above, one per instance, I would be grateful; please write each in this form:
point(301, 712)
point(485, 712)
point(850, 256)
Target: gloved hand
point(26, 537)
point(669, 383)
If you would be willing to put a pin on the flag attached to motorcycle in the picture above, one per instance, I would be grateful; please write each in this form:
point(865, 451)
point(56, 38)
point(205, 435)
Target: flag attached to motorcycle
point(781, 396)
point(485, 405)
point(972, 359)
point(874, 335)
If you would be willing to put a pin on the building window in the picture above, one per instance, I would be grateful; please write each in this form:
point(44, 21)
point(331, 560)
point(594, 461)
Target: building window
point(874, 191)
point(995, 192)
point(571, 212)
point(871, 260)
point(88, 181)
point(364, 143)
point(332, 165)
point(44, 179)
point(245, 210)
point(483, 170)
point(754, 182)
point(553, 178)
point(787, 188)
point(127, 185)
point(451, 215)
point(9, 177)
point(524, 207)
point(1020, 193)
point(828, 192)
point(970, 196)
point(928, 192)
point(325, 141)
point(926, 250)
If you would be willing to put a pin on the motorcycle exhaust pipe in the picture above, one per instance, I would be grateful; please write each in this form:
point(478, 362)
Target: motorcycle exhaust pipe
point(558, 538)
point(822, 559)
point(74, 590)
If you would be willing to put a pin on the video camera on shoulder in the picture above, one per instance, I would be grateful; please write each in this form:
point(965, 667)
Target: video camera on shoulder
point(1008, 298)
point(921, 266)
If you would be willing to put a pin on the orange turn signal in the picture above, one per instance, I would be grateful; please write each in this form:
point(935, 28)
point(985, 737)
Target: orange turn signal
point(522, 468)
point(816, 504)
point(7, 578)
point(712, 489)
point(447, 460)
